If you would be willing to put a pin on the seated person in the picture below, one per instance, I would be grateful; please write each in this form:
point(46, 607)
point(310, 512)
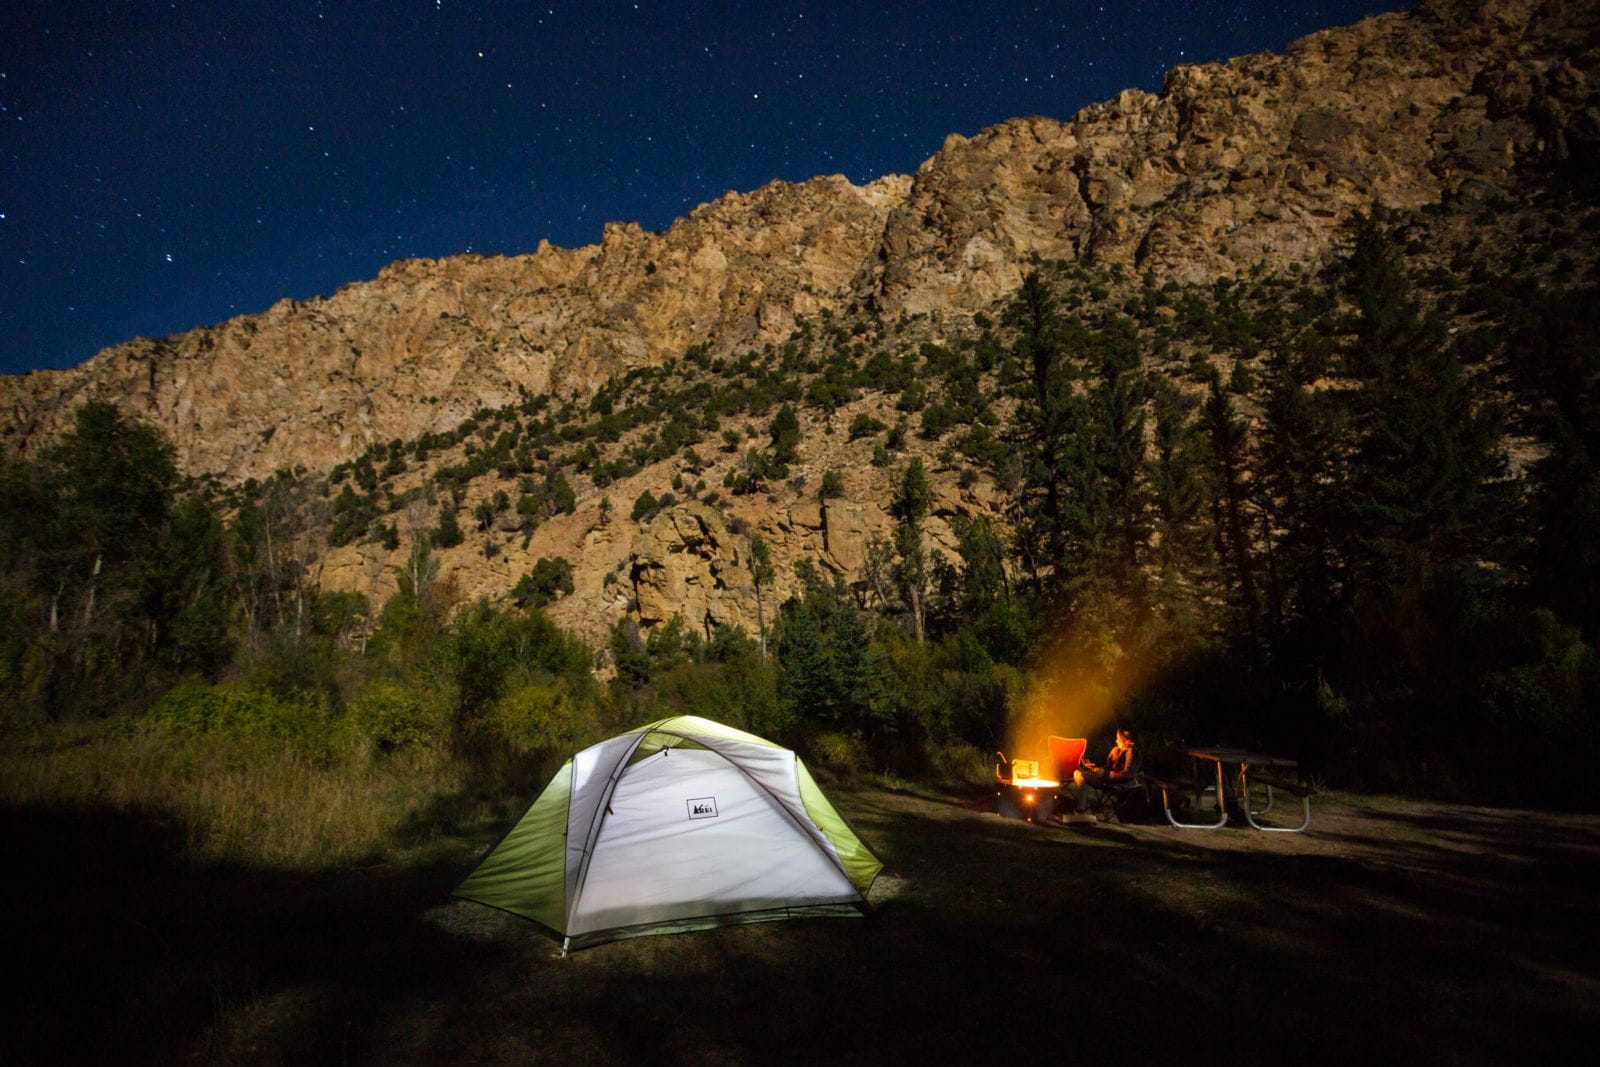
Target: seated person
point(1117, 768)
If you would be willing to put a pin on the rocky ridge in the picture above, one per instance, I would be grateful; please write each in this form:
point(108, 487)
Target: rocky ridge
point(1233, 167)
point(1243, 167)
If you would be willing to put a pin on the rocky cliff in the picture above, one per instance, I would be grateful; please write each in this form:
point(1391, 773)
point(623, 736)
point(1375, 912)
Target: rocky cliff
point(1232, 166)
point(1235, 168)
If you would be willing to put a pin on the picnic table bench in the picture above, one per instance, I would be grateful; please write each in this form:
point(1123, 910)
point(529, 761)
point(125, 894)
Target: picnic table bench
point(1244, 759)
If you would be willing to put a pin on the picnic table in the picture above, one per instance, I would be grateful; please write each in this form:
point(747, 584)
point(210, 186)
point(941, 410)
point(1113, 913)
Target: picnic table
point(1244, 759)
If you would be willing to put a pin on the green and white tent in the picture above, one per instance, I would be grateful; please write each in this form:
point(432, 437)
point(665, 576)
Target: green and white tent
point(678, 825)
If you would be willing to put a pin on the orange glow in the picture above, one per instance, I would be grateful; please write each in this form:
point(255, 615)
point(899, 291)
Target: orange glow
point(1034, 783)
point(1076, 689)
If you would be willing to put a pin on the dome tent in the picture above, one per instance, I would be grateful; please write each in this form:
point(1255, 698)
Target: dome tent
point(679, 825)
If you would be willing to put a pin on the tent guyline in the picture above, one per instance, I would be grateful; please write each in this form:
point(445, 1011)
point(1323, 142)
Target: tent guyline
point(626, 841)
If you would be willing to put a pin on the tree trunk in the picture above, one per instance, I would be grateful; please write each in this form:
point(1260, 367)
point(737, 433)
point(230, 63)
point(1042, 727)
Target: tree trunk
point(761, 620)
point(94, 577)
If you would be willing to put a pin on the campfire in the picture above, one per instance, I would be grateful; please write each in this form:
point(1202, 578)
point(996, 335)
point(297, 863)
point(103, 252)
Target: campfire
point(1021, 793)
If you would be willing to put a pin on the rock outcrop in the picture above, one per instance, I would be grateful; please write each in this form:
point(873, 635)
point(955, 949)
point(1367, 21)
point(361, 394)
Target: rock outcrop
point(1233, 166)
point(1249, 165)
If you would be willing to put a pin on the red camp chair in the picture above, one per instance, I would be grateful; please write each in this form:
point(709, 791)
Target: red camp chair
point(1068, 754)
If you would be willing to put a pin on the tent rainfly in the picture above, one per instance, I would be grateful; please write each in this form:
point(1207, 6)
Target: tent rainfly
point(679, 825)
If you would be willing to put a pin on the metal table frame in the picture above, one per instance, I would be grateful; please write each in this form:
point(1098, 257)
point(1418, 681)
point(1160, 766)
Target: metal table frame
point(1244, 759)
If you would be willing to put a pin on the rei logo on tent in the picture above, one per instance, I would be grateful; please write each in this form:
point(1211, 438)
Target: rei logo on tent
point(702, 807)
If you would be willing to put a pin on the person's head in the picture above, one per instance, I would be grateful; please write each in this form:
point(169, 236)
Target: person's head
point(1125, 738)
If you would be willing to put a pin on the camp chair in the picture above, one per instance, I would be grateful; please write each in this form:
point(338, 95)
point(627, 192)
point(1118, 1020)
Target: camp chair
point(1116, 798)
point(1067, 752)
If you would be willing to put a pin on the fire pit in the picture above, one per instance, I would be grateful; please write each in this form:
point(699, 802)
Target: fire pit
point(1021, 794)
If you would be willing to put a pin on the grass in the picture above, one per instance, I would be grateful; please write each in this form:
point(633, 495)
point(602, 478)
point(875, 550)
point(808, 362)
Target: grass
point(1395, 929)
point(239, 801)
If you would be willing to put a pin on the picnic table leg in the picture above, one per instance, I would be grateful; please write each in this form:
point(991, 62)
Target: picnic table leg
point(1222, 810)
point(1244, 786)
point(1264, 810)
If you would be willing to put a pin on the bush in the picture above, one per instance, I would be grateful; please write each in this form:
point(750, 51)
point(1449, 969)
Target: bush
point(239, 712)
point(550, 580)
point(843, 755)
point(399, 718)
point(448, 535)
point(959, 764)
point(865, 426)
point(542, 716)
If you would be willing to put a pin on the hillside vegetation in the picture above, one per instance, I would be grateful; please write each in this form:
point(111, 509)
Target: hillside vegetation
point(1347, 515)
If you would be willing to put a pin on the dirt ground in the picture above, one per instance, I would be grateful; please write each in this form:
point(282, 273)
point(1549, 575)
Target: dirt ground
point(1393, 929)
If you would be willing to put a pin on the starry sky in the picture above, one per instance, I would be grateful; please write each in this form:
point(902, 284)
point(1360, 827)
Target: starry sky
point(169, 164)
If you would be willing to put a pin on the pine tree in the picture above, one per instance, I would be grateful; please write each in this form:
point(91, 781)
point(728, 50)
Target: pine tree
point(1232, 516)
point(1302, 471)
point(1045, 396)
point(912, 499)
point(761, 574)
point(785, 433)
point(1183, 555)
point(1555, 364)
point(1422, 497)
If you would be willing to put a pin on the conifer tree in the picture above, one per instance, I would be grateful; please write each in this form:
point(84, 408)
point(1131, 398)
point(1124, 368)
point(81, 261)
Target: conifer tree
point(1231, 512)
point(785, 433)
point(1184, 545)
point(1555, 365)
point(1301, 470)
point(912, 499)
point(1421, 494)
point(761, 574)
point(1044, 397)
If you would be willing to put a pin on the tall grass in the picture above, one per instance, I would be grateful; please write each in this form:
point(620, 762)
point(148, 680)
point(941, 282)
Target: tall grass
point(244, 802)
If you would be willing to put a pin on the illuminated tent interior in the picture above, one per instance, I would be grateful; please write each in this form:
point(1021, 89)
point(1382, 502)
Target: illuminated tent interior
point(679, 825)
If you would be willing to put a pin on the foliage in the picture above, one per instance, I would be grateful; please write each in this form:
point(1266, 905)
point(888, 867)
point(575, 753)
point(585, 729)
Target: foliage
point(243, 713)
point(396, 718)
point(1324, 548)
point(549, 580)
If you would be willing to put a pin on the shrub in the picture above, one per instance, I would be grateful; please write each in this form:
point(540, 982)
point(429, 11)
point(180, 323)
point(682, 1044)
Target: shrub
point(842, 754)
point(239, 712)
point(550, 580)
point(542, 716)
point(913, 398)
point(832, 485)
point(959, 764)
point(448, 535)
point(865, 425)
point(399, 718)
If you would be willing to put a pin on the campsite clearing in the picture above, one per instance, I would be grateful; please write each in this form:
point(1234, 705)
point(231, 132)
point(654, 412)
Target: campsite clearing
point(1394, 929)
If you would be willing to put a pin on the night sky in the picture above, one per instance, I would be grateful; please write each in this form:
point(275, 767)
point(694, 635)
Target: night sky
point(165, 165)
